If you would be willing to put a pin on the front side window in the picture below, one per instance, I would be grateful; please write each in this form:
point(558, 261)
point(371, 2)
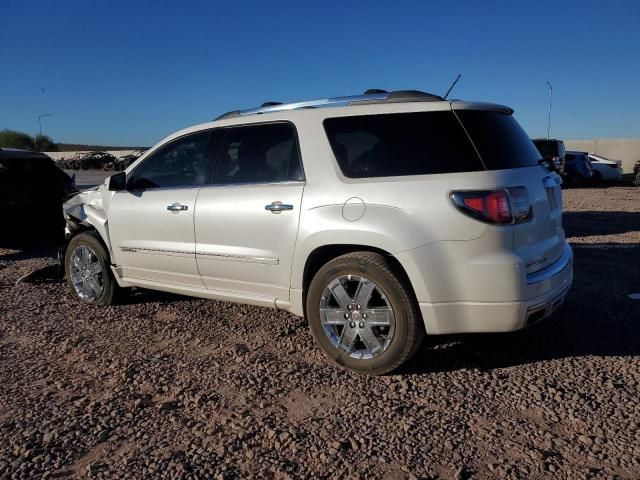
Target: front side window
point(401, 144)
point(181, 163)
point(265, 153)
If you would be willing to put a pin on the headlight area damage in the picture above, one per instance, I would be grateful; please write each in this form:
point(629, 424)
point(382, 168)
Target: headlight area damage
point(83, 212)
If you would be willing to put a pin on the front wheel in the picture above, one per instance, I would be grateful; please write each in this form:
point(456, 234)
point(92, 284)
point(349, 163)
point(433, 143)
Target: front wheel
point(87, 270)
point(362, 313)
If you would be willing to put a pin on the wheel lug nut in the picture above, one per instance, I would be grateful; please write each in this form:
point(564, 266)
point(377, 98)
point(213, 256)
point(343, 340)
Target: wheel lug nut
point(361, 325)
point(357, 307)
point(364, 315)
point(346, 316)
point(352, 324)
point(350, 307)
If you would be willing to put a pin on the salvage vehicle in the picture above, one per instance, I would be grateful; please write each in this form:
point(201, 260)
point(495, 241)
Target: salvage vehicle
point(577, 168)
point(379, 217)
point(552, 150)
point(32, 190)
point(605, 169)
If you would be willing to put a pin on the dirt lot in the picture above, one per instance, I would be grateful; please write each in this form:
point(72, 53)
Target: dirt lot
point(172, 386)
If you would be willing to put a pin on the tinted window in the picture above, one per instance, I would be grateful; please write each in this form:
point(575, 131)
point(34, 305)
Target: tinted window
point(401, 144)
point(258, 154)
point(182, 163)
point(500, 140)
point(16, 171)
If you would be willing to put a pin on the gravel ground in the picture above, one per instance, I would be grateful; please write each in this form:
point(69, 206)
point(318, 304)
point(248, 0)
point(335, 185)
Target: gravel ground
point(168, 386)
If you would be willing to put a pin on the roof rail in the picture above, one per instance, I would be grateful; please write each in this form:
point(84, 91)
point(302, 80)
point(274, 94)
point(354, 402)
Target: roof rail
point(372, 96)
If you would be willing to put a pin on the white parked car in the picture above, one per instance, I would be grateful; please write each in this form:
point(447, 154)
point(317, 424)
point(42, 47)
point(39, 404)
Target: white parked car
point(605, 169)
point(385, 217)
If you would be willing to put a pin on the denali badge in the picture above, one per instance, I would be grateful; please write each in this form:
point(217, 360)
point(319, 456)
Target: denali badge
point(535, 263)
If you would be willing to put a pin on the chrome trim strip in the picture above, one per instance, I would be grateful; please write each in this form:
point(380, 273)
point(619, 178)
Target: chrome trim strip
point(239, 258)
point(155, 250)
point(553, 269)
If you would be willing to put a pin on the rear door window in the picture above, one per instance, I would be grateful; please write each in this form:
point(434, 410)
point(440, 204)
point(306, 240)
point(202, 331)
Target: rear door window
point(500, 140)
point(401, 144)
point(266, 153)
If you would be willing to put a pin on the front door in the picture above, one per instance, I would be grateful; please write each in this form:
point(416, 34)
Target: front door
point(247, 221)
point(151, 224)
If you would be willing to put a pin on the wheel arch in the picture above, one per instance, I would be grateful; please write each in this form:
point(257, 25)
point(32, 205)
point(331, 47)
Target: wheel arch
point(325, 253)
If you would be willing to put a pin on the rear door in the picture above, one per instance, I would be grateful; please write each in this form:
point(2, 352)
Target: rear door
point(246, 220)
point(151, 223)
point(507, 151)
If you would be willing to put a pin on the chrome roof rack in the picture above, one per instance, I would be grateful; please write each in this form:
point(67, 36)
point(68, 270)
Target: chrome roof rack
point(369, 97)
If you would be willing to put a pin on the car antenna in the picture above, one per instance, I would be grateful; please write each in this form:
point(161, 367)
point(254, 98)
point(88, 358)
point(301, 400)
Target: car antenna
point(451, 87)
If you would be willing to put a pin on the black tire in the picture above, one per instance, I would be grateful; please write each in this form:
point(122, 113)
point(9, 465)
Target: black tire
point(93, 242)
point(409, 327)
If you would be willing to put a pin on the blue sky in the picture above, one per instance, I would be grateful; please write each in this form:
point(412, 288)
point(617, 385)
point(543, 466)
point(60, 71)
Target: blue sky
point(130, 72)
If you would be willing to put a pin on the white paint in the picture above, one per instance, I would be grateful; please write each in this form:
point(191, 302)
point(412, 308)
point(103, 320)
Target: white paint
point(634, 296)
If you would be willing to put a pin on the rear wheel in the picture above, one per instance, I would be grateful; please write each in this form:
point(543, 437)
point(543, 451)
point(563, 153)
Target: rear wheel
point(87, 270)
point(362, 314)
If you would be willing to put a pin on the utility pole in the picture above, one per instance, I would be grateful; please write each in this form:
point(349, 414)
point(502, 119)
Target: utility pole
point(40, 120)
point(549, 115)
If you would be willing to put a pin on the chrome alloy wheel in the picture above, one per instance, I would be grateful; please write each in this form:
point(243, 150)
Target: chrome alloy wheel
point(357, 317)
point(86, 273)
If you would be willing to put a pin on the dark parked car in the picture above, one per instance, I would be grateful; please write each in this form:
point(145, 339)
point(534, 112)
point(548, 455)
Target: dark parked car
point(577, 167)
point(32, 185)
point(636, 174)
point(552, 150)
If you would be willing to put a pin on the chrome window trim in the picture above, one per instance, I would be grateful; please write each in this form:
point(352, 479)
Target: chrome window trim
point(251, 184)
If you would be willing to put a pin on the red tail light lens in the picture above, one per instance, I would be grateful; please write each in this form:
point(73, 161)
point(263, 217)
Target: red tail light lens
point(505, 206)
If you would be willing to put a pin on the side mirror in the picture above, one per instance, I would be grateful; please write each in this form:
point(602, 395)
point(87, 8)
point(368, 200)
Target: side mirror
point(118, 182)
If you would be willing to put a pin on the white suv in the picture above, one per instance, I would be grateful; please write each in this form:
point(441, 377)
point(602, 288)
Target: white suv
point(380, 219)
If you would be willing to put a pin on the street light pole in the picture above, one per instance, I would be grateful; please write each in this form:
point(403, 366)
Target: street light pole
point(40, 120)
point(549, 117)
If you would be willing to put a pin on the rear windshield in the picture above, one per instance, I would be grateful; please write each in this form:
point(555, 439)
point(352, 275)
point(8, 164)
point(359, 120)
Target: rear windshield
point(401, 144)
point(500, 140)
point(25, 169)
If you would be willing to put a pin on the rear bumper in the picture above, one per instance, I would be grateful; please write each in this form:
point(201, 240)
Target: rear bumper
point(547, 288)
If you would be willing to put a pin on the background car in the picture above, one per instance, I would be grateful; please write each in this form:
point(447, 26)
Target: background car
point(32, 189)
point(554, 150)
point(636, 174)
point(605, 169)
point(577, 167)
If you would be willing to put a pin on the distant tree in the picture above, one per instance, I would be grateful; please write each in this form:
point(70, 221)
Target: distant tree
point(13, 139)
point(42, 143)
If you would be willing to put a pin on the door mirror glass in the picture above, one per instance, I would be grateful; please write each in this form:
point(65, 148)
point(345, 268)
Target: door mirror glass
point(117, 182)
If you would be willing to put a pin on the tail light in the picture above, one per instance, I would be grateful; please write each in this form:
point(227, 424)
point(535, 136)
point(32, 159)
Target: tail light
point(503, 207)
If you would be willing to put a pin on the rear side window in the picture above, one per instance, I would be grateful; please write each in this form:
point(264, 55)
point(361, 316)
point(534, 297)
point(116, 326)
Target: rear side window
point(401, 144)
point(265, 153)
point(500, 140)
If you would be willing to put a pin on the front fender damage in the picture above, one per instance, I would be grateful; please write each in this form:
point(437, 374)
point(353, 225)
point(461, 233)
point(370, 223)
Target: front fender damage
point(85, 211)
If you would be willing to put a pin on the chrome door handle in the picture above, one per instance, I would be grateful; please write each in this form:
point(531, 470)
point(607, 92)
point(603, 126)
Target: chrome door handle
point(277, 207)
point(176, 207)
